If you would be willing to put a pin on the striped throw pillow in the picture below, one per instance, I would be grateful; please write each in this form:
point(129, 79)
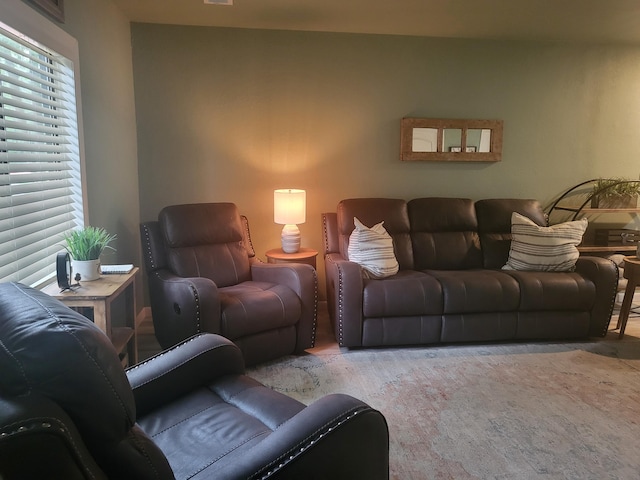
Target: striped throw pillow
point(539, 248)
point(372, 249)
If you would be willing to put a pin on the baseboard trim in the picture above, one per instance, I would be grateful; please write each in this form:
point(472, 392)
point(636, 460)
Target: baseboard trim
point(143, 314)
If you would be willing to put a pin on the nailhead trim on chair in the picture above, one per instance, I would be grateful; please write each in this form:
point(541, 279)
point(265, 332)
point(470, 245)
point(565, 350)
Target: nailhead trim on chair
point(340, 308)
point(309, 442)
point(325, 234)
point(315, 309)
point(39, 424)
point(148, 245)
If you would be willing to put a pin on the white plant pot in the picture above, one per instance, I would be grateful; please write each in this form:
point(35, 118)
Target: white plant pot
point(88, 269)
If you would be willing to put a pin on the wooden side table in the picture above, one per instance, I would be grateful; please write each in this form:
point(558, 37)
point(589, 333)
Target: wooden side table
point(632, 274)
point(99, 295)
point(304, 255)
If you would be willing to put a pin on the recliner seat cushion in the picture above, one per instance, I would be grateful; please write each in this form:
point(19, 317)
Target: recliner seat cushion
point(477, 291)
point(210, 427)
point(406, 293)
point(253, 307)
point(554, 290)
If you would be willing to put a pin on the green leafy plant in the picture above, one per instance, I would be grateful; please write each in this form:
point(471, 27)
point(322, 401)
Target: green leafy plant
point(616, 187)
point(88, 243)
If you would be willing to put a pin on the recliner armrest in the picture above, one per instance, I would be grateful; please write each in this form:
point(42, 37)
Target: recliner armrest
point(182, 368)
point(328, 439)
point(303, 280)
point(39, 440)
point(183, 307)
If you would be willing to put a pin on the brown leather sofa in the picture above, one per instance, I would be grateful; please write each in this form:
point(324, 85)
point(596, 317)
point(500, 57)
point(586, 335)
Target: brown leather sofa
point(204, 276)
point(69, 411)
point(450, 286)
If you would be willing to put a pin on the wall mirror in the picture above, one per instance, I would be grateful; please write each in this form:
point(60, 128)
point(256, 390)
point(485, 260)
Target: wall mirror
point(450, 140)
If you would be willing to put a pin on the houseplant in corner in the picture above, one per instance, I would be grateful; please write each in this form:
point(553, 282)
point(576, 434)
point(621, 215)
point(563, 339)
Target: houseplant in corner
point(85, 247)
point(615, 193)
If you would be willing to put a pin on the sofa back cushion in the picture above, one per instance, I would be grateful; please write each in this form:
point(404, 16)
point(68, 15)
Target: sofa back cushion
point(494, 225)
point(206, 240)
point(370, 211)
point(444, 234)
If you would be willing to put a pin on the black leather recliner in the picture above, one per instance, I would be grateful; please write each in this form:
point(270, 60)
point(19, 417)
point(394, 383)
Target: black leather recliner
point(68, 410)
point(204, 277)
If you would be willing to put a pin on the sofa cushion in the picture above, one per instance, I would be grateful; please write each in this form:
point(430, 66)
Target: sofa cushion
point(372, 249)
point(539, 248)
point(391, 211)
point(476, 327)
point(554, 290)
point(407, 293)
point(553, 324)
point(475, 291)
point(444, 234)
point(494, 225)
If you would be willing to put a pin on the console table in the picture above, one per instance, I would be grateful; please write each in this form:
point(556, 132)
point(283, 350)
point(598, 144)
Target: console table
point(632, 274)
point(99, 295)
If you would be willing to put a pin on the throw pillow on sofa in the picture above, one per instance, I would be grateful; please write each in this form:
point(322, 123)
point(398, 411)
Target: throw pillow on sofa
point(372, 249)
point(539, 248)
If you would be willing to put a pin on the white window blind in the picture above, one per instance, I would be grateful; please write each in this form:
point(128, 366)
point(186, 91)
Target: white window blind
point(40, 184)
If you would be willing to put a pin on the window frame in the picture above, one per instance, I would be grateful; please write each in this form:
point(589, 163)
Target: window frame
point(25, 22)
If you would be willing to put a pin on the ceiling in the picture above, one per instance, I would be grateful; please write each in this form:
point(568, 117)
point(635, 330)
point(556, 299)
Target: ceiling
point(592, 21)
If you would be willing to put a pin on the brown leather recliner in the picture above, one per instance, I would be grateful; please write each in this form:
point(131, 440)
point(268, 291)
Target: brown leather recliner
point(68, 410)
point(204, 277)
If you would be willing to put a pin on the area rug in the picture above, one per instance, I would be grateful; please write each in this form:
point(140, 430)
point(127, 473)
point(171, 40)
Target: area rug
point(567, 410)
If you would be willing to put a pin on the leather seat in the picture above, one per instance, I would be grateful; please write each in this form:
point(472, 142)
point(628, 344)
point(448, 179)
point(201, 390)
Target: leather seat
point(204, 277)
point(68, 409)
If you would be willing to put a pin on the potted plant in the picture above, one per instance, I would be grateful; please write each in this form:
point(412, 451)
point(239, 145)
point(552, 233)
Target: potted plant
point(85, 247)
point(615, 193)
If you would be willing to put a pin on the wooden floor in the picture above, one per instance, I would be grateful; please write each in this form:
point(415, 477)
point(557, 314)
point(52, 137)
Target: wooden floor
point(147, 343)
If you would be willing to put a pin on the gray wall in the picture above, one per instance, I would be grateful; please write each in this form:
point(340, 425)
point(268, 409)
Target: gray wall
point(231, 114)
point(108, 109)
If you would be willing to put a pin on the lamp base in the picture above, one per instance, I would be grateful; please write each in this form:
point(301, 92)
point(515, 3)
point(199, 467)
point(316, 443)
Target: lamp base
point(290, 238)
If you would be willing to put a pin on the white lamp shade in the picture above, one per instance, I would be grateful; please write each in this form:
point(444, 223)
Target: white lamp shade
point(289, 206)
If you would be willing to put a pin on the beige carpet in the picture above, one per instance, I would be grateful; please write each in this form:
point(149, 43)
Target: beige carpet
point(498, 411)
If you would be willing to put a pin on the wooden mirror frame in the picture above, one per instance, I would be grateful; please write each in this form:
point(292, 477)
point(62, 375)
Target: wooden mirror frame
point(406, 140)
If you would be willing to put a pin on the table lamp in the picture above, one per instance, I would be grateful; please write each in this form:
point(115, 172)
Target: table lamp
point(289, 209)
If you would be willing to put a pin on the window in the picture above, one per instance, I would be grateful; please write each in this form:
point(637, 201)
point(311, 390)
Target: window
point(40, 166)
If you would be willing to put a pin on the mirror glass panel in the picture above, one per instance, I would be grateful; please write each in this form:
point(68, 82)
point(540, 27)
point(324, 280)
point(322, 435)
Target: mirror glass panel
point(478, 140)
point(451, 140)
point(425, 140)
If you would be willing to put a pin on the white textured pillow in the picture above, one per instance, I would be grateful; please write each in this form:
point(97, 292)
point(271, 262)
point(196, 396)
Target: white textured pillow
point(544, 248)
point(372, 249)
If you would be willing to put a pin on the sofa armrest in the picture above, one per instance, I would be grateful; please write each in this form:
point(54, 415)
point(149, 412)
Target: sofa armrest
point(182, 368)
point(337, 437)
point(303, 280)
point(182, 307)
point(39, 440)
point(604, 274)
point(344, 299)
